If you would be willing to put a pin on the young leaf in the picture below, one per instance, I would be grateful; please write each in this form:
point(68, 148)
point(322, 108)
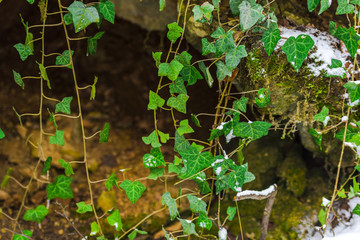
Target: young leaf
point(358, 167)
point(178, 86)
point(188, 227)
point(179, 102)
point(240, 104)
point(196, 205)
point(106, 8)
point(162, 4)
point(152, 139)
point(36, 215)
point(155, 101)
point(222, 70)
point(195, 161)
point(23, 50)
point(203, 221)
point(341, 193)
point(322, 217)
point(68, 18)
point(95, 229)
point(155, 173)
point(83, 207)
point(324, 5)
point(25, 232)
point(354, 92)
point(93, 88)
point(317, 136)
point(18, 79)
point(336, 69)
point(171, 203)
point(344, 7)
point(264, 98)
point(322, 116)
point(312, 4)
point(154, 159)
point(2, 134)
point(231, 211)
point(225, 43)
point(221, 165)
point(181, 144)
point(296, 50)
point(163, 137)
point(64, 105)
point(195, 120)
point(52, 119)
point(68, 169)
point(60, 188)
point(64, 59)
point(207, 47)
point(184, 127)
point(104, 134)
point(170, 70)
point(5, 180)
point(44, 74)
point(253, 130)
point(174, 32)
point(132, 235)
point(83, 16)
point(58, 138)
point(270, 39)
point(157, 57)
point(203, 13)
point(47, 165)
point(206, 72)
point(349, 37)
point(249, 14)
point(233, 57)
point(92, 43)
point(111, 181)
point(115, 220)
point(133, 190)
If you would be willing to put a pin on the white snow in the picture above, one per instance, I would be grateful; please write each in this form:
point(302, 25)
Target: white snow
point(327, 118)
point(217, 161)
point(264, 192)
point(223, 234)
point(325, 202)
point(344, 118)
point(218, 170)
point(229, 136)
point(221, 126)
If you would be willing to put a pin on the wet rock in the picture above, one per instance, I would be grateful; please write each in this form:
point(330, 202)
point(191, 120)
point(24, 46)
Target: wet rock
point(107, 200)
point(4, 195)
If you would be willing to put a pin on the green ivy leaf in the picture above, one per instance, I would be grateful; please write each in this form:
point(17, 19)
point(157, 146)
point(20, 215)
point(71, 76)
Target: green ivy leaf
point(349, 37)
point(196, 205)
point(356, 2)
point(60, 188)
point(322, 217)
point(174, 31)
point(233, 57)
point(20, 237)
point(351, 133)
point(115, 220)
point(5, 180)
point(332, 28)
point(225, 43)
point(207, 47)
point(156, 173)
point(270, 39)
point(341, 193)
point(195, 120)
point(195, 161)
point(312, 4)
point(2, 134)
point(155, 101)
point(68, 169)
point(164, 137)
point(24, 51)
point(209, 79)
point(107, 10)
point(358, 167)
point(64, 59)
point(344, 7)
point(324, 5)
point(93, 88)
point(154, 159)
point(322, 116)
point(111, 181)
point(83, 207)
point(179, 102)
point(92, 43)
point(68, 18)
point(83, 16)
point(133, 190)
point(336, 69)
point(178, 86)
point(240, 105)
point(18, 79)
point(356, 210)
point(354, 92)
point(162, 4)
point(95, 229)
point(234, 6)
point(188, 227)
point(221, 165)
point(44, 74)
point(317, 136)
point(219, 32)
point(203, 221)
point(181, 144)
point(171, 204)
point(52, 119)
point(249, 14)
point(64, 105)
point(203, 13)
point(157, 57)
point(29, 36)
point(170, 70)
point(152, 139)
point(58, 138)
point(216, 4)
point(253, 130)
point(296, 50)
point(231, 211)
point(190, 74)
point(236, 179)
point(104, 134)
point(264, 98)
point(200, 180)
point(222, 70)
point(36, 215)
point(184, 127)
point(133, 234)
point(47, 165)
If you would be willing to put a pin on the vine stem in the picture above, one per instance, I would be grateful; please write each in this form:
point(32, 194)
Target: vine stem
point(80, 118)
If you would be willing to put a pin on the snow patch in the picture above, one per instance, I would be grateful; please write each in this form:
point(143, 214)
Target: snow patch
point(222, 234)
